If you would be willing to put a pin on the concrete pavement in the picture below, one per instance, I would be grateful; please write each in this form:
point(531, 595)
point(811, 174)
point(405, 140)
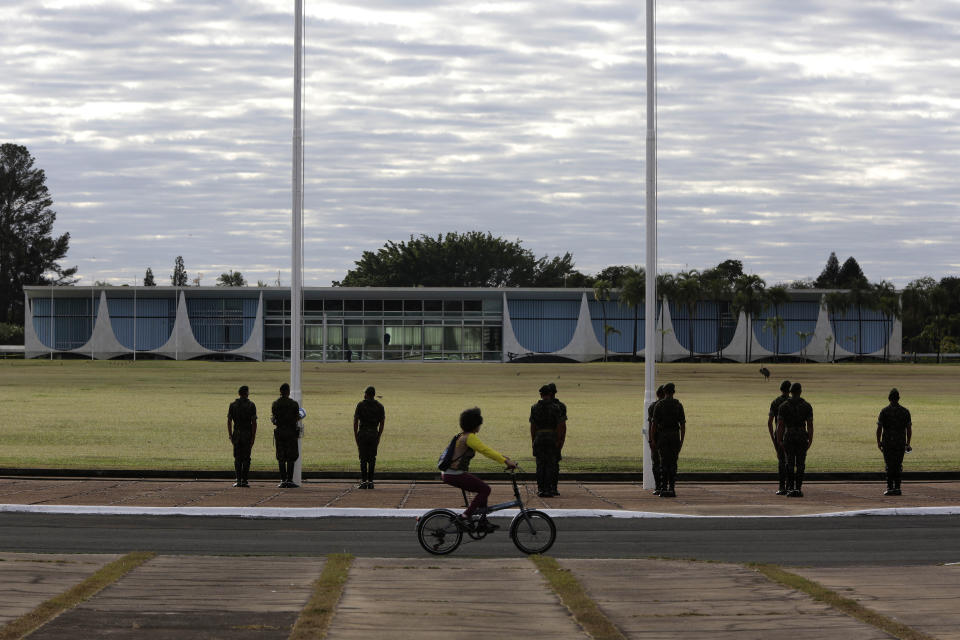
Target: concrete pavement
point(424, 597)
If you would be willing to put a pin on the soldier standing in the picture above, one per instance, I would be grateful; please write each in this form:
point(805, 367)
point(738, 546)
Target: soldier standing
point(368, 420)
point(894, 431)
point(242, 431)
point(286, 414)
point(668, 431)
point(545, 437)
point(654, 452)
point(561, 429)
point(771, 427)
point(794, 436)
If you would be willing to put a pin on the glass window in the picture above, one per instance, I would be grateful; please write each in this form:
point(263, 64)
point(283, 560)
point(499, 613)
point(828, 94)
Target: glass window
point(275, 306)
point(333, 305)
point(373, 305)
point(353, 305)
point(313, 305)
point(472, 339)
point(393, 305)
point(493, 306)
point(472, 307)
point(413, 305)
point(433, 306)
point(433, 338)
point(452, 307)
point(452, 338)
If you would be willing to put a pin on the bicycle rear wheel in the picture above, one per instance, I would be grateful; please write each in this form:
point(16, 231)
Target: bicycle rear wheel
point(533, 531)
point(438, 532)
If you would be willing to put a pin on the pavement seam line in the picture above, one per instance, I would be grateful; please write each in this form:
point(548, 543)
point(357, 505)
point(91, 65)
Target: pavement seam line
point(575, 598)
point(316, 615)
point(91, 586)
point(829, 597)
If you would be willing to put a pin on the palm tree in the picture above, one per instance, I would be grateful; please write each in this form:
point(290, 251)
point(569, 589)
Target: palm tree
point(888, 303)
point(748, 299)
point(776, 297)
point(632, 294)
point(775, 324)
point(689, 292)
point(835, 302)
point(601, 293)
point(861, 296)
point(666, 290)
point(719, 290)
point(803, 335)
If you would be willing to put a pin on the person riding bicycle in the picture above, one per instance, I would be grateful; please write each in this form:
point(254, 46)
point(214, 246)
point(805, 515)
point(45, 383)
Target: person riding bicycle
point(457, 475)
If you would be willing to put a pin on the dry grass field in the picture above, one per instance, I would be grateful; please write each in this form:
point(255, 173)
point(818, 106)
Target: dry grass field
point(172, 415)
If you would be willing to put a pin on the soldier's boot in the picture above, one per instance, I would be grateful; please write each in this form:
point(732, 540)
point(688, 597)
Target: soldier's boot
point(370, 467)
point(889, 491)
point(283, 473)
point(238, 468)
point(245, 470)
point(782, 490)
point(799, 490)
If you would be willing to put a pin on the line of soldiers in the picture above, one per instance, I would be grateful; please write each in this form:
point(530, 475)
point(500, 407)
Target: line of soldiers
point(793, 418)
point(368, 421)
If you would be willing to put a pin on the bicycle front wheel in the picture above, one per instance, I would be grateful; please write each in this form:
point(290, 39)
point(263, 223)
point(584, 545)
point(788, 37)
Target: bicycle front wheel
point(438, 532)
point(533, 531)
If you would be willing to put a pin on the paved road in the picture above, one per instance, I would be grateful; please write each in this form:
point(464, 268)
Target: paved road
point(891, 540)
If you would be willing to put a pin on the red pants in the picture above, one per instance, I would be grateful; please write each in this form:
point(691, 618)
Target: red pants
point(473, 484)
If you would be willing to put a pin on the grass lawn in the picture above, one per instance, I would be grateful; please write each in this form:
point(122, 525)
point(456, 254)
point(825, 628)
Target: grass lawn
point(172, 415)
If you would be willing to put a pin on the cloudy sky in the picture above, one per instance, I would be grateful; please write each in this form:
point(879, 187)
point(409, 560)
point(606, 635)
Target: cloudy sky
point(787, 130)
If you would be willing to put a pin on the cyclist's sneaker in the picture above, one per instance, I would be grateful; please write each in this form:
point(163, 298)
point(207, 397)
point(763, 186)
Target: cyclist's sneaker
point(464, 523)
point(486, 526)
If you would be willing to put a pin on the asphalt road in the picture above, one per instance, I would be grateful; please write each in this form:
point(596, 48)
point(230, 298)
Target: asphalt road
point(890, 540)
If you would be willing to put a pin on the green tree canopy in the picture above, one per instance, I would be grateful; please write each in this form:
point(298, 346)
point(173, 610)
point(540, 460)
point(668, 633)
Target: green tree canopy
point(29, 253)
point(231, 279)
point(148, 280)
point(179, 276)
point(829, 278)
point(472, 259)
point(851, 275)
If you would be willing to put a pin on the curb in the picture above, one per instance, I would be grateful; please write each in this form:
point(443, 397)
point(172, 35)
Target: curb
point(421, 476)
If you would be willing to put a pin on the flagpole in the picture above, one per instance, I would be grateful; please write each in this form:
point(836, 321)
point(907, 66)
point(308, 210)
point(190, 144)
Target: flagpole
point(296, 267)
point(650, 307)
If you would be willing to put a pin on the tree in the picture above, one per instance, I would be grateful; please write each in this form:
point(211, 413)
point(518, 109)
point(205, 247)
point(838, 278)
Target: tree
point(836, 302)
point(718, 284)
point(615, 275)
point(689, 291)
point(29, 253)
point(748, 298)
point(148, 280)
point(888, 303)
point(666, 289)
point(776, 297)
point(851, 275)
point(829, 278)
point(179, 276)
point(601, 292)
point(633, 293)
point(472, 259)
point(860, 296)
point(231, 279)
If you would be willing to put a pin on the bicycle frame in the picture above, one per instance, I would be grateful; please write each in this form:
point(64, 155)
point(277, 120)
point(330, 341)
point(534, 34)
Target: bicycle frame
point(516, 502)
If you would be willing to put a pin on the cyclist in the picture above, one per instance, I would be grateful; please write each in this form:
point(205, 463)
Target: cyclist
point(468, 445)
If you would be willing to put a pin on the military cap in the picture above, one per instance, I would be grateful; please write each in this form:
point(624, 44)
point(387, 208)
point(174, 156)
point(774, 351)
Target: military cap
point(545, 390)
point(785, 386)
point(553, 388)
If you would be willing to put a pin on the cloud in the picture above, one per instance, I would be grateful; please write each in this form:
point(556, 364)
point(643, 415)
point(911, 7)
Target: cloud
point(786, 130)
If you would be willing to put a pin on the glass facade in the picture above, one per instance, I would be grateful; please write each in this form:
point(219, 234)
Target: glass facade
point(337, 329)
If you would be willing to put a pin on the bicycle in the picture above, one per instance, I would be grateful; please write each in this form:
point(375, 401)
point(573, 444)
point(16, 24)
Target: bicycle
point(440, 531)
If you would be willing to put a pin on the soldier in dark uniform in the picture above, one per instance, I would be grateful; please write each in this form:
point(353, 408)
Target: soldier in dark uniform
point(561, 428)
point(368, 419)
point(654, 452)
point(794, 436)
point(771, 427)
point(545, 436)
point(286, 414)
point(669, 429)
point(242, 431)
point(894, 431)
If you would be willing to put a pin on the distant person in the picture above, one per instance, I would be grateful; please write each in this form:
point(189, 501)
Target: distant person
point(772, 428)
point(668, 432)
point(654, 452)
point(368, 419)
point(562, 432)
point(794, 436)
point(894, 431)
point(349, 355)
point(468, 444)
point(286, 414)
point(545, 425)
point(242, 432)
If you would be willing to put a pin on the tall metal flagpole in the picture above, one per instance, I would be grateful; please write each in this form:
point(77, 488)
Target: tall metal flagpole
point(296, 267)
point(650, 323)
